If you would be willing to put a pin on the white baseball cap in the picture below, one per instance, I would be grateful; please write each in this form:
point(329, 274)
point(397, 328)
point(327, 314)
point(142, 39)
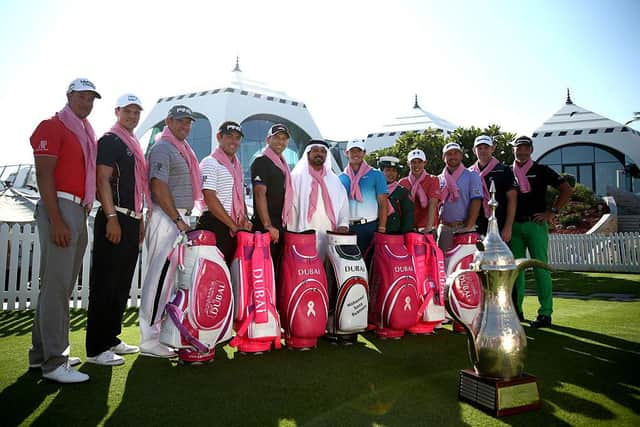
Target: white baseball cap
point(356, 143)
point(81, 85)
point(416, 154)
point(451, 146)
point(128, 99)
point(482, 139)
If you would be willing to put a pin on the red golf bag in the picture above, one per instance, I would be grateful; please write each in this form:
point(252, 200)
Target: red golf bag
point(467, 289)
point(348, 288)
point(257, 323)
point(303, 301)
point(392, 287)
point(200, 313)
point(428, 264)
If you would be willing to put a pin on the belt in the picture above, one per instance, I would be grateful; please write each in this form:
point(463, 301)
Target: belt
point(185, 212)
point(68, 196)
point(524, 219)
point(361, 221)
point(128, 212)
point(453, 224)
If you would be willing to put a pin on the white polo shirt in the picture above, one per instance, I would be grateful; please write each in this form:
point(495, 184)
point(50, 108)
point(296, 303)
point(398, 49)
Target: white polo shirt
point(217, 178)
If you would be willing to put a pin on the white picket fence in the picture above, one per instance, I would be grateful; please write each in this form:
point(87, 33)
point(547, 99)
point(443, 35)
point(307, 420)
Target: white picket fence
point(20, 260)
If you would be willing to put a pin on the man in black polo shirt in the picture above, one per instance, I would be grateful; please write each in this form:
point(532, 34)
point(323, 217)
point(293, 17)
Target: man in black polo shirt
point(400, 218)
point(531, 226)
point(122, 187)
point(272, 189)
point(492, 170)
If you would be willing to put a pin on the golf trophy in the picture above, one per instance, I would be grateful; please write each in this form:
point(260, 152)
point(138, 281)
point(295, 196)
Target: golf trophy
point(497, 383)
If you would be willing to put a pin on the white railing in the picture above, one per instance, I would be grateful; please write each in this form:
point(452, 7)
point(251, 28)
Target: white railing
point(617, 252)
point(20, 262)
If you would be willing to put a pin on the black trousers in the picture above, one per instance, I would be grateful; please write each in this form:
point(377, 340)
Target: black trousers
point(224, 241)
point(112, 270)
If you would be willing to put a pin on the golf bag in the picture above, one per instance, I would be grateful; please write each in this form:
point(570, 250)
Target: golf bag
point(392, 287)
point(467, 289)
point(303, 301)
point(257, 323)
point(348, 288)
point(428, 264)
point(200, 313)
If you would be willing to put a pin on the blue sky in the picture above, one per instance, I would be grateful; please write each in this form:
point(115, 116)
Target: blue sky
point(356, 64)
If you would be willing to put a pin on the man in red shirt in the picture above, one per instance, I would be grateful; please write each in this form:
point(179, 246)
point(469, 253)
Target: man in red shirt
point(425, 191)
point(64, 148)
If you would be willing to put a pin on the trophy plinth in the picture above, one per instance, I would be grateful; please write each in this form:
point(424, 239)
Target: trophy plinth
point(499, 397)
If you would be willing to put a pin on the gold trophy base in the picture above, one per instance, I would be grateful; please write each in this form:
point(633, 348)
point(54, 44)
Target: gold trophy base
point(499, 397)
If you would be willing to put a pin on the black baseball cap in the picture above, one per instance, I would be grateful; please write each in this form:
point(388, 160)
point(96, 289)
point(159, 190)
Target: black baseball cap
point(278, 128)
point(230, 126)
point(522, 140)
point(180, 112)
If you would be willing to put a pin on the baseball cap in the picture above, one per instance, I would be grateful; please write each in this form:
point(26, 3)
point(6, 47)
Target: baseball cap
point(276, 129)
point(81, 85)
point(416, 154)
point(314, 141)
point(356, 143)
point(522, 140)
point(451, 146)
point(128, 99)
point(180, 112)
point(230, 126)
point(389, 162)
point(482, 139)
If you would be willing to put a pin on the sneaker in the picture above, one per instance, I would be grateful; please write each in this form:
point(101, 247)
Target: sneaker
point(72, 361)
point(124, 348)
point(159, 350)
point(65, 374)
point(106, 358)
point(541, 322)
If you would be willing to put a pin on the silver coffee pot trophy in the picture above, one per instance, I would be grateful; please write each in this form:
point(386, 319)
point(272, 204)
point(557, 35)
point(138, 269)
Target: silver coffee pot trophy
point(497, 341)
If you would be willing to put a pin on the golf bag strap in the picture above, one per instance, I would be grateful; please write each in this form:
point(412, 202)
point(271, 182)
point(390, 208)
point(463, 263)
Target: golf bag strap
point(242, 331)
point(175, 314)
point(424, 305)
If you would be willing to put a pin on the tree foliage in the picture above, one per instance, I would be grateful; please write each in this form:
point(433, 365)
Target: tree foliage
point(431, 142)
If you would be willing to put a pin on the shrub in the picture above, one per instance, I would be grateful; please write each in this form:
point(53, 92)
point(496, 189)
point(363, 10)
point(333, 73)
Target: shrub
point(570, 219)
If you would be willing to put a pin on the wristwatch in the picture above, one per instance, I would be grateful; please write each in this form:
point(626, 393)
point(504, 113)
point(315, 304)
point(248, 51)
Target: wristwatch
point(177, 219)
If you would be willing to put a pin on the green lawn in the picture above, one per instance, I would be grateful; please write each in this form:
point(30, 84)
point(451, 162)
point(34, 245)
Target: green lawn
point(587, 367)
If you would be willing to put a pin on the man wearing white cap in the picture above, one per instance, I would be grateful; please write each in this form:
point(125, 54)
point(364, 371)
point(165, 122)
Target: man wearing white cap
point(425, 191)
point(400, 208)
point(491, 170)
point(320, 201)
point(123, 191)
point(367, 191)
point(176, 187)
point(461, 196)
point(64, 148)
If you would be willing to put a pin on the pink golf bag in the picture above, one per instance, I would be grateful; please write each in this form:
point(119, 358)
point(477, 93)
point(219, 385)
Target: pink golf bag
point(392, 287)
point(200, 313)
point(428, 264)
point(303, 301)
point(257, 323)
point(467, 289)
point(348, 288)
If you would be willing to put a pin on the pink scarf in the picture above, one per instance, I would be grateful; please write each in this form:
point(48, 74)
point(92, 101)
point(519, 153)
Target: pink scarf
point(451, 181)
point(141, 171)
point(391, 188)
point(192, 161)
point(288, 190)
point(235, 169)
point(82, 129)
point(521, 171)
point(354, 191)
point(418, 190)
point(317, 181)
point(484, 172)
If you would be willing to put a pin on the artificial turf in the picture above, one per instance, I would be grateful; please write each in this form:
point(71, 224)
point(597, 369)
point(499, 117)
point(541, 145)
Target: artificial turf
point(587, 367)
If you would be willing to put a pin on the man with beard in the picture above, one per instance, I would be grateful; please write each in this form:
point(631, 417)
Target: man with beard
point(320, 202)
point(531, 226)
point(176, 187)
point(123, 190)
point(491, 170)
point(64, 149)
point(367, 191)
point(461, 196)
point(425, 192)
point(272, 189)
point(223, 190)
point(400, 208)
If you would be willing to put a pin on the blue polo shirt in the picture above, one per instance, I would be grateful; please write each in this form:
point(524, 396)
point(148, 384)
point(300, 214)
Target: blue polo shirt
point(469, 188)
point(372, 184)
